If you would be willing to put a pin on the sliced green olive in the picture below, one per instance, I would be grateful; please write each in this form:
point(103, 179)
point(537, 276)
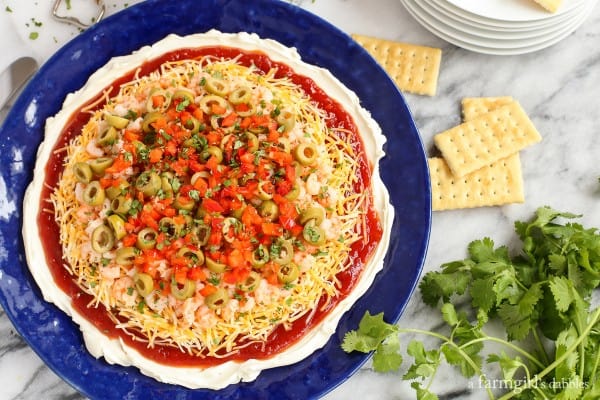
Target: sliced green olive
point(313, 234)
point(183, 202)
point(285, 254)
point(184, 95)
point(184, 292)
point(93, 194)
point(269, 210)
point(287, 120)
point(149, 183)
point(288, 273)
point(169, 227)
point(231, 227)
point(216, 86)
point(146, 239)
point(125, 255)
point(257, 129)
point(251, 282)
point(260, 256)
point(166, 183)
point(99, 165)
point(201, 233)
point(228, 140)
point(83, 172)
point(293, 193)
point(246, 113)
point(144, 284)
point(206, 103)
point(148, 120)
point(265, 191)
point(107, 137)
point(112, 192)
point(193, 125)
point(116, 121)
point(121, 205)
point(215, 123)
point(314, 212)
point(284, 144)
point(196, 256)
point(212, 151)
point(305, 153)
point(118, 226)
point(241, 95)
point(238, 212)
point(153, 106)
point(199, 175)
point(214, 266)
point(251, 142)
point(218, 299)
point(103, 239)
point(200, 212)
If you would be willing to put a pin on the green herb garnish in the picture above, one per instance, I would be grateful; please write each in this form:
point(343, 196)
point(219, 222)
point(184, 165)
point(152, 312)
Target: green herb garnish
point(542, 296)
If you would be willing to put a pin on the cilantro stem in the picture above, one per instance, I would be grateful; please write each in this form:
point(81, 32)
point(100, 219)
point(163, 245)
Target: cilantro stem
point(540, 345)
point(448, 341)
point(503, 342)
point(595, 369)
point(533, 383)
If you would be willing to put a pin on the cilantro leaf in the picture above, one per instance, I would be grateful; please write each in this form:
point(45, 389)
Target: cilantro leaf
point(449, 314)
point(509, 366)
point(442, 285)
point(353, 341)
point(375, 335)
point(561, 290)
point(566, 370)
point(387, 355)
point(374, 326)
point(425, 362)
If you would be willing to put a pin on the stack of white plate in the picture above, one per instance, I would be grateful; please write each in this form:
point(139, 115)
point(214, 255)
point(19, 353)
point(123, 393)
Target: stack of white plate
point(502, 27)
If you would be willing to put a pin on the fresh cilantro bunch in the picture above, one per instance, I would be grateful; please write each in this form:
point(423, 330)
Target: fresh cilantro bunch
point(551, 346)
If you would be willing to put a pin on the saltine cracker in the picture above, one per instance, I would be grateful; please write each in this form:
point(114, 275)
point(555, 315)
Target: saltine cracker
point(497, 184)
point(413, 68)
point(488, 138)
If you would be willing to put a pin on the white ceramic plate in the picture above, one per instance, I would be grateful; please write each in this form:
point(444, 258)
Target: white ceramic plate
point(513, 10)
point(478, 21)
point(451, 30)
point(483, 32)
point(449, 34)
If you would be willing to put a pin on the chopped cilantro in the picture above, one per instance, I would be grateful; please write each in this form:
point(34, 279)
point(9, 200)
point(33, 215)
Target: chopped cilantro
point(214, 279)
point(194, 195)
point(131, 115)
point(182, 105)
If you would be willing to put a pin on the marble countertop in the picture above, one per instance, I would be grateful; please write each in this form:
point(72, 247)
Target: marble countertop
point(558, 87)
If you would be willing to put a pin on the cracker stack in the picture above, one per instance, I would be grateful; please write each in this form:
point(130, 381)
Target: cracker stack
point(480, 164)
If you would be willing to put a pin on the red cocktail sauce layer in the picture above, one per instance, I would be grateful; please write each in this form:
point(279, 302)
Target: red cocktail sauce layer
point(280, 339)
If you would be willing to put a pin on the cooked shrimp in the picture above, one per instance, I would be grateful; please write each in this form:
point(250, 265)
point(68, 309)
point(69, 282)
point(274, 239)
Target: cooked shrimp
point(123, 290)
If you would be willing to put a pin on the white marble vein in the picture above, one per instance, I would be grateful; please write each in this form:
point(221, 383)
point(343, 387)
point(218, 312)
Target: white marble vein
point(558, 87)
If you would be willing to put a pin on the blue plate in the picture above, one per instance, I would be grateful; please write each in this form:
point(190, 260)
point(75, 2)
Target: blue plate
point(52, 334)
